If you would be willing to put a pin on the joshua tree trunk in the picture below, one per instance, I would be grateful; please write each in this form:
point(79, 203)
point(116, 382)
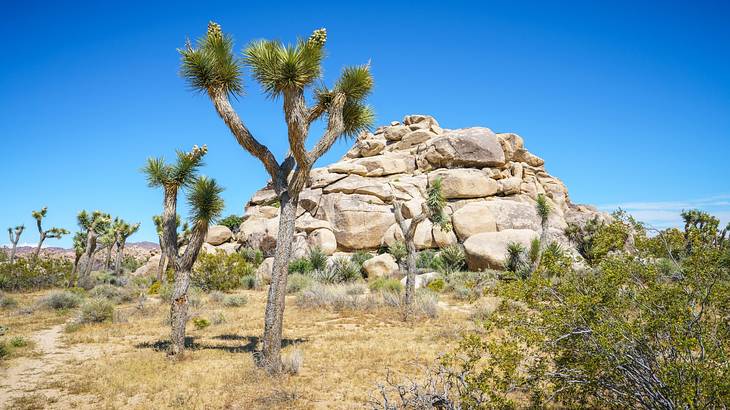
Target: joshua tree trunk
point(38, 248)
point(87, 258)
point(108, 258)
point(14, 239)
point(409, 232)
point(179, 306)
point(274, 316)
point(120, 258)
point(74, 271)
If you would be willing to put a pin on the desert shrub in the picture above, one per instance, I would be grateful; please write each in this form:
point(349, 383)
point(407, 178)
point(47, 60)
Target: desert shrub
point(398, 250)
point(96, 310)
point(291, 363)
point(425, 304)
point(450, 259)
point(216, 296)
point(317, 259)
point(248, 281)
point(131, 264)
point(425, 259)
point(61, 300)
point(113, 293)
point(253, 256)
point(18, 341)
point(437, 285)
point(220, 271)
point(554, 261)
point(4, 349)
point(195, 297)
point(6, 302)
point(232, 222)
point(301, 266)
point(165, 292)
point(470, 285)
point(344, 270)
point(534, 252)
point(334, 296)
point(356, 289)
point(217, 318)
point(391, 298)
point(154, 288)
point(234, 301)
point(200, 323)
point(386, 284)
point(24, 275)
point(298, 282)
point(516, 259)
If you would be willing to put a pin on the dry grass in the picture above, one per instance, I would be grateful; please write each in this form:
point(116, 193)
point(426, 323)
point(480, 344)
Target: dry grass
point(346, 353)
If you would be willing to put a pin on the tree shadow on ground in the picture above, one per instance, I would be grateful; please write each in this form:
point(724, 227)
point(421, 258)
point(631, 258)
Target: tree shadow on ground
point(251, 342)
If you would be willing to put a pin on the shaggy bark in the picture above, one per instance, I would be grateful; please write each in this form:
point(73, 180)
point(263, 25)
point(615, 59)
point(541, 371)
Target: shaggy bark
point(409, 232)
point(120, 257)
point(87, 258)
point(41, 238)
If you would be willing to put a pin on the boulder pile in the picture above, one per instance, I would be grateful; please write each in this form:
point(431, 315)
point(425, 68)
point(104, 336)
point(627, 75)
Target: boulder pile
point(490, 180)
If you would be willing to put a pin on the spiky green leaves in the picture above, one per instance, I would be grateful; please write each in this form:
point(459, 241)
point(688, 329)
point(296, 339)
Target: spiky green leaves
point(436, 202)
point(542, 206)
point(97, 221)
point(181, 173)
point(278, 67)
point(212, 66)
point(205, 201)
point(38, 215)
point(356, 84)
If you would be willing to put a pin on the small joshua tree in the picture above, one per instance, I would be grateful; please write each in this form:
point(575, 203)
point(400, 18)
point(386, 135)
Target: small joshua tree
point(206, 205)
point(92, 225)
point(14, 234)
point(79, 246)
point(543, 208)
point(53, 233)
point(122, 231)
point(432, 209)
point(285, 71)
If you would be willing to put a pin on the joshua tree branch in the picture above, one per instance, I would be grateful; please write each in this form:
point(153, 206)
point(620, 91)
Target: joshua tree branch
point(295, 112)
point(335, 128)
point(241, 133)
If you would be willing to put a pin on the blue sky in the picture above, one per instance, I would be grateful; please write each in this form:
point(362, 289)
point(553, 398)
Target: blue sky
point(628, 102)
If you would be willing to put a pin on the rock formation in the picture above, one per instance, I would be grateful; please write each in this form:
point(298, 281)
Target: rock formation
point(490, 180)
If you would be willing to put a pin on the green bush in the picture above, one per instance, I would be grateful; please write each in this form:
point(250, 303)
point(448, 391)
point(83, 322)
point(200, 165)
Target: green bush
point(18, 341)
point(359, 257)
point(6, 302)
point(61, 300)
point(426, 259)
point(450, 259)
point(113, 293)
point(201, 323)
point(344, 270)
point(298, 282)
point(437, 285)
point(154, 288)
point(253, 256)
point(248, 281)
point(96, 310)
point(398, 250)
point(220, 271)
point(386, 284)
point(317, 259)
point(216, 296)
point(300, 265)
point(24, 274)
point(4, 350)
point(232, 222)
point(470, 285)
point(234, 301)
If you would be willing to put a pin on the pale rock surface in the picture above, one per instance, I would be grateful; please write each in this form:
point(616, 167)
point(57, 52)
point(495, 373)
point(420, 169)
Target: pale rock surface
point(218, 234)
point(473, 218)
point(488, 250)
point(383, 265)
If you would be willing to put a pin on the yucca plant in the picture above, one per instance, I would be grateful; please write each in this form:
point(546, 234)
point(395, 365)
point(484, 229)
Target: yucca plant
point(432, 209)
point(53, 233)
point(122, 231)
point(286, 72)
point(205, 206)
point(14, 234)
point(543, 208)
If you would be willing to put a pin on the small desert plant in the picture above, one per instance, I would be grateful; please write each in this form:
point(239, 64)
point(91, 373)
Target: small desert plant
point(298, 282)
point(234, 301)
point(201, 323)
point(317, 259)
point(216, 296)
point(61, 300)
point(398, 250)
point(426, 259)
point(253, 256)
point(344, 270)
point(4, 350)
point(450, 259)
point(220, 271)
point(154, 288)
point(112, 293)
point(6, 302)
point(359, 257)
point(437, 285)
point(470, 285)
point(334, 296)
point(248, 281)
point(386, 284)
point(301, 266)
point(534, 252)
point(292, 362)
point(217, 318)
point(18, 341)
point(96, 310)
point(426, 304)
point(516, 259)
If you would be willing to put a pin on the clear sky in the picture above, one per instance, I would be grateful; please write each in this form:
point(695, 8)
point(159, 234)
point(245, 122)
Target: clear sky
point(628, 102)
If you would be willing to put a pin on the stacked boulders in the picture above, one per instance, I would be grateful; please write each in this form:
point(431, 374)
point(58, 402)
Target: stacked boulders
point(490, 180)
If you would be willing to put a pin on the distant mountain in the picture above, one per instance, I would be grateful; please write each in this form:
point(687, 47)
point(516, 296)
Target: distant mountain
point(140, 250)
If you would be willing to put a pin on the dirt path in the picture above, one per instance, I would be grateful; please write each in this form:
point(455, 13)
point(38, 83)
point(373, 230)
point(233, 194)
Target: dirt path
point(30, 377)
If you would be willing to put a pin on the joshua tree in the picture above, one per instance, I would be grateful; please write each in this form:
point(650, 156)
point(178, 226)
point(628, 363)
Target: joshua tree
point(183, 237)
point(79, 245)
point(285, 71)
point(543, 208)
point(14, 234)
point(54, 233)
point(122, 231)
point(206, 205)
point(93, 225)
point(433, 209)
point(107, 242)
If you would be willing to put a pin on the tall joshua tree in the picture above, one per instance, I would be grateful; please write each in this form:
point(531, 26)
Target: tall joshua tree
point(183, 237)
point(206, 205)
point(92, 225)
point(53, 233)
point(14, 234)
point(79, 246)
point(432, 209)
point(122, 232)
point(286, 72)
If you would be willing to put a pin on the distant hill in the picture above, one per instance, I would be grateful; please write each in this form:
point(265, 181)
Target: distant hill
point(140, 250)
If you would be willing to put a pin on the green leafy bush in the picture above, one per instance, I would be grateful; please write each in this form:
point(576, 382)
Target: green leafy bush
point(201, 323)
point(61, 300)
point(96, 310)
point(113, 293)
point(248, 281)
point(232, 222)
point(298, 282)
point(220, 271)
point(24, 274)
point(450, 259)
point(317, 259)
point(18, 341)
point(253, 256)
point(398, 250)
point(425, 259)
point(359, 257)
point(436, 285)
point(344, 270)
point(300, 265)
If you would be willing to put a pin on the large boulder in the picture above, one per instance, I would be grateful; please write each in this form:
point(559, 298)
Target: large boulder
point(473, 218)
point(218, 234)
point(149, 267)
point(513, 214)
point(464, 183)
point(383, 265)
point(471, 147)
point(356, 184)
point(422, 280)
point(263, 273)
point(488, 250)
point(259, 233)
point(358, 221)
point(323, 239)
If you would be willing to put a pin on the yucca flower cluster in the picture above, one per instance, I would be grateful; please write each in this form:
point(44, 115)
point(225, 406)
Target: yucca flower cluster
point(198, 152)
point(318, 37)
point(214, 30)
